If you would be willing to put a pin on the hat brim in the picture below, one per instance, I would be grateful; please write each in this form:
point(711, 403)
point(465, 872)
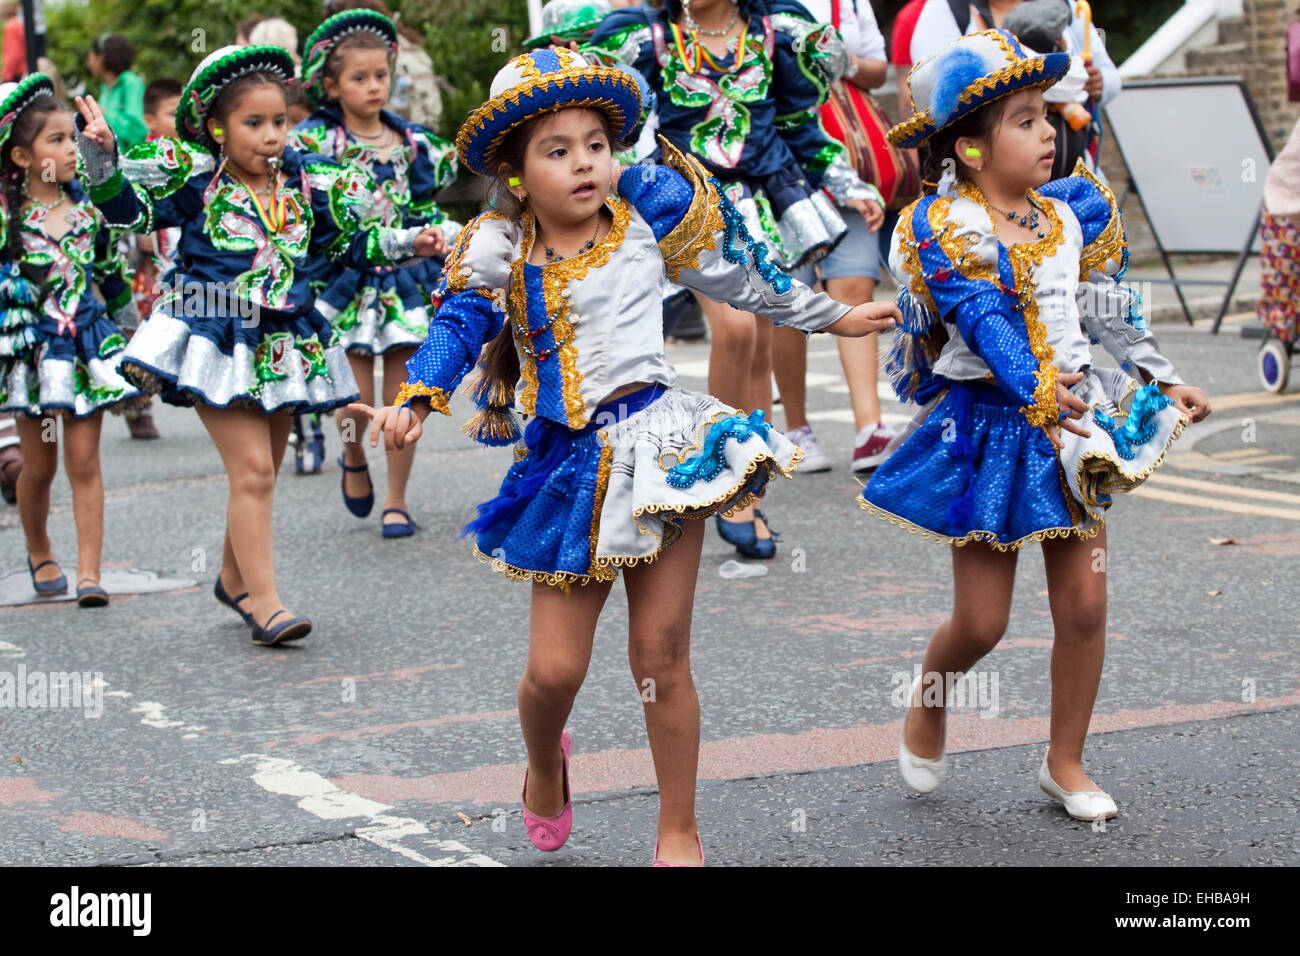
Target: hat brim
point(599, 88)
point(202, 90)
point(325, 36)
point(1032, 73)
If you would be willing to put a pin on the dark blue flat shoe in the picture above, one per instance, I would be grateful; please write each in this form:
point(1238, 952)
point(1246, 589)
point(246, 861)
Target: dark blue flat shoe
point(398, 529)
point(58, 586)
point(739, 533)
point(361, 507)
point(93, 596)
point(289, 630)
point(221, 594)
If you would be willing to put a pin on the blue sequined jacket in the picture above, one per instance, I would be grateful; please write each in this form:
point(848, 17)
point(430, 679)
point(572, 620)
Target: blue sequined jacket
point(974, 309)
point(588, 325)
point(226, 240)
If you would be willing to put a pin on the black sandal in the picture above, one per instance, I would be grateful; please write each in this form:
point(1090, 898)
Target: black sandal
point(93, 596)
point(363, 505)
point(58, 586)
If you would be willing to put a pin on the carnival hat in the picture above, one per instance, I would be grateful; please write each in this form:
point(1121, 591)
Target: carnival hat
point(539, 82)
point(329, 33)
point(213, 75)
point(568, 20)
point(16, 97)
point(968, 74)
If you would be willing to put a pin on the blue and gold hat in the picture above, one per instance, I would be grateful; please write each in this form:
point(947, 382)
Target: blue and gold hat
point(213, 74)
point(16, 97)
point(329, 33)
point(539, 82)
point(968, 74)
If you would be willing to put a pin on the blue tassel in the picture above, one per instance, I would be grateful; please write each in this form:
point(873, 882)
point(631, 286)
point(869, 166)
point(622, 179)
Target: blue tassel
point(548, 446)
point(957, 71)
point(961, 510)
point(909, 364)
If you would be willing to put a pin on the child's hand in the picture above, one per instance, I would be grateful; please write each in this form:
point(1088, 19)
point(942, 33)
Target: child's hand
point(867, 318)
point(431, 242)
point(1191, 401)
point(96, 129)
point(1070, 406)
point(872, 212)
point(392, 421)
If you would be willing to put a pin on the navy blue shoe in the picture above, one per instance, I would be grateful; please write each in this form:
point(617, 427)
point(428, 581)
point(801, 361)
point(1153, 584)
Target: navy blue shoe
point(58, 586)
point(289, 630)
point(397, 529)
point(739, 533)
point(362, 506)
point(92, 596)
point(221, 594)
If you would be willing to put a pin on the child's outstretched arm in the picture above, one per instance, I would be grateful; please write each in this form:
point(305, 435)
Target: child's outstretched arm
point(707, 248)
point(141, 191)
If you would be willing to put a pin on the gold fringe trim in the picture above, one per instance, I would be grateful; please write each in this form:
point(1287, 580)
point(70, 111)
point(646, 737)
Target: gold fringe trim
point(1110, 244)
point(437, 397)
point(695, 233)
point(988, 538)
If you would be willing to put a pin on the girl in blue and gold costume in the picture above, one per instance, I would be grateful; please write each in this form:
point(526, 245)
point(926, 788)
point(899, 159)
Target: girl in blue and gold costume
point(235, 333)
point(379, 310)
point(1020, 437)
point(563, 280)
point(59, 345)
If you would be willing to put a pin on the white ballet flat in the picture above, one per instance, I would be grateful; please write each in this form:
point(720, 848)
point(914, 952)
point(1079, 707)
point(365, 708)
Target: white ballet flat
point(1086, 805)
point(922, 774)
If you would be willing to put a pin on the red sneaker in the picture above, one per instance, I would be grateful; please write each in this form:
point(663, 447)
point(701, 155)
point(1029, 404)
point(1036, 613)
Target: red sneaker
point(869, 447)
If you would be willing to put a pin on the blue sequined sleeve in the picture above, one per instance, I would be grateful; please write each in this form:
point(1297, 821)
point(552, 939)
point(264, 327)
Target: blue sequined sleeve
point(469, 311)
point(957, 262)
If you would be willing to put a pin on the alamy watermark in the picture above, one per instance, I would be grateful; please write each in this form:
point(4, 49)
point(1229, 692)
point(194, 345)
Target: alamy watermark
point(48, 690)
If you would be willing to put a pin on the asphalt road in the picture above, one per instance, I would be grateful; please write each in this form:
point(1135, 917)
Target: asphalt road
point(389, 736)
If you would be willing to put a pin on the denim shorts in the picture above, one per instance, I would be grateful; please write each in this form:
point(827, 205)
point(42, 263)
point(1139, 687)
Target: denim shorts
point(857, 255)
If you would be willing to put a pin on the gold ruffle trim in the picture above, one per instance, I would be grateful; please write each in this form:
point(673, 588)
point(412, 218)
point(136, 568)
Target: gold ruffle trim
point(437, 397)
point(1110, 244)
point(983, 537)
point(682, 246)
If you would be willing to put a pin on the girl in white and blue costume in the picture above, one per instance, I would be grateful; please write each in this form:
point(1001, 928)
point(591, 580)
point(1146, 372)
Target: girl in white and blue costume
point(1001, 454)
point(618, 465)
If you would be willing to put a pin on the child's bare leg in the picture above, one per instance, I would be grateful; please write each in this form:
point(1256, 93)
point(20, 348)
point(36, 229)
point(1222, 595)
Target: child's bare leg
point(231, 578)
point(983, 580)
point(733, 336)
point(353, 425)
point(660, 597)
point(81, 462)
point(244, 440)
point(399, 462)
point(1076, 588)
point(40, 464)
point(858, 356)
point(760, 370)
point(790, 364)
point(560, 634)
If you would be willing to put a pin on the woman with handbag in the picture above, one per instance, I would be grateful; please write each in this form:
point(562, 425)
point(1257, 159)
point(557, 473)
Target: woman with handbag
point(850, 272)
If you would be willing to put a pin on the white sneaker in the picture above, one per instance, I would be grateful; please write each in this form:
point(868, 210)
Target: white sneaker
point(1087, 805)
point(814, 459)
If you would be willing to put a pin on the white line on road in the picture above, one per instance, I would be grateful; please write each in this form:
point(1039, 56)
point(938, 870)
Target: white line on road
point(323, 799)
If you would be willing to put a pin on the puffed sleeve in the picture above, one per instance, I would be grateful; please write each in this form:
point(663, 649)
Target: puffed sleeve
point(807, 57)
point(1109, 310)
point(339, 199)
point(433, 168)
point(624, 37)
point(469, 310)
point(947, 254)
point(109, 273)
point(313, 135)
point(707, 248)
point(149, 187)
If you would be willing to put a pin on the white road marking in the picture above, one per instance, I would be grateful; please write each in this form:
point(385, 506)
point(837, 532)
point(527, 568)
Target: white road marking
point(323, 799)
point(11, 650)
point(153, 717)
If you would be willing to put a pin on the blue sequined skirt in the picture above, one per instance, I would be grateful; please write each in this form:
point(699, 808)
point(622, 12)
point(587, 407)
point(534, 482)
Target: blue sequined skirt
point(970, 468)
point(271, 361)
point(578, 505)
point(374, 310)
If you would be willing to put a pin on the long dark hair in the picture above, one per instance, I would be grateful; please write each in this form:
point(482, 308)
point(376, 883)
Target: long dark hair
point(27, 126)
point(230, 95)
point(942, 147)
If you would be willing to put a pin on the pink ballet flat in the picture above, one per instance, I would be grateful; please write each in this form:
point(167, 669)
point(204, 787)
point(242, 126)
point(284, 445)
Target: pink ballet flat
point(550, 833)
point(659, 862)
